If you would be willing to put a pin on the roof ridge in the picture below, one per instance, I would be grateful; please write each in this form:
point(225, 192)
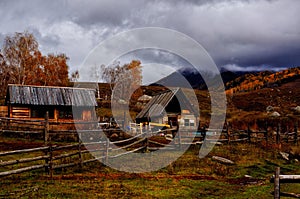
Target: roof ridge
point(62, 87)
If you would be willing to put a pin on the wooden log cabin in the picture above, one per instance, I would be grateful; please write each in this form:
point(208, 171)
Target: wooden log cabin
point(32, 102)
point(171, 107)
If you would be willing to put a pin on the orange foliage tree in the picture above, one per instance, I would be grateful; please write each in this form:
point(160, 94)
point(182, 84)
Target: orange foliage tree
point(21, 62)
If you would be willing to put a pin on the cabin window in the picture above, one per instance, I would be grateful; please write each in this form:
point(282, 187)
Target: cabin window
point(186, 122)
point(192, 122)
point(65, 114)
point(40, 112)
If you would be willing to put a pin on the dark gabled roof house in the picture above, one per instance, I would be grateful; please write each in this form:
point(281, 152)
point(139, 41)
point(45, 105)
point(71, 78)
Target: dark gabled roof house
point(171, 106)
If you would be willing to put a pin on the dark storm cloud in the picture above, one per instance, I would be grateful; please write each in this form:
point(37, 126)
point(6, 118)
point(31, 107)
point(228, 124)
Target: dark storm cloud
point(254, 33)
point(241, 33)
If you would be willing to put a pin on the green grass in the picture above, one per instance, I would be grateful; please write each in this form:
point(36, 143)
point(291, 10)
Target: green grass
point(188, 177)
point(140, 188)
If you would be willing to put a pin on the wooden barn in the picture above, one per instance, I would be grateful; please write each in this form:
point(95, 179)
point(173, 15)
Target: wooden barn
point(171, 107)
point(32, 102)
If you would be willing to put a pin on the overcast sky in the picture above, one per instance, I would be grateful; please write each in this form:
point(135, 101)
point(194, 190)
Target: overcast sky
point(238, 34)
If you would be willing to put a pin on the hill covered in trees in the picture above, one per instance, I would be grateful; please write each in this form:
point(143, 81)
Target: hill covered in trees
point(265, 79)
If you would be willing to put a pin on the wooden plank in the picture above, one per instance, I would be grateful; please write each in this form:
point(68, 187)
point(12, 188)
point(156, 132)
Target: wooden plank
point(216, 140)
point(64, 165)
point(132, 138)
point(291, 195)
point(12, 162)
point(16, 171)
point(65, 155)
point(239, 140)
point(94, 143)
point(160, 148)
point(118, 155)
point(76, 131)
point(157, 143)
point(222, 160)
point(23, 151)
point(22, 132)
point(18, 119)
point(4, 108)
point(64, 147)
point(127, 146)
point(289, 178)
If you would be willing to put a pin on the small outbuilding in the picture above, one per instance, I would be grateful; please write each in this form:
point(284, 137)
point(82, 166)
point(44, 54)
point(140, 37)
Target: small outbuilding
point(170, 107)
point(32, 102)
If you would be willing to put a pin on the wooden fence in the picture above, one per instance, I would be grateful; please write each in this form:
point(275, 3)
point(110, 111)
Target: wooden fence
point(50, 130)
point(51, 157)
point(279, 179)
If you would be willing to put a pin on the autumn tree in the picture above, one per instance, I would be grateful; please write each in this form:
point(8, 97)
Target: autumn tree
point(21, 62)
point(20, 53)
point(54, 70)
point(136, 75)
point(123, 79)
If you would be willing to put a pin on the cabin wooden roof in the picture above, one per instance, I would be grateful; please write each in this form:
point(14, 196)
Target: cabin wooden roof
point(48, 96)
point(158, 103)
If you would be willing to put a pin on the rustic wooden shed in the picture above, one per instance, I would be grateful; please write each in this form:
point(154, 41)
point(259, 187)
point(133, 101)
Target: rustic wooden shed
point(32, 102)
point(170, 107)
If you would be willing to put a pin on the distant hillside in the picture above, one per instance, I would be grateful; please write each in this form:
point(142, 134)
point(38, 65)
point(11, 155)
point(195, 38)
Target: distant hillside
point(195, 79)
point(266, 79)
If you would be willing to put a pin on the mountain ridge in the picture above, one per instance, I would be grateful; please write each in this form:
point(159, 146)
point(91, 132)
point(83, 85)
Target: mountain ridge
point(234, 81)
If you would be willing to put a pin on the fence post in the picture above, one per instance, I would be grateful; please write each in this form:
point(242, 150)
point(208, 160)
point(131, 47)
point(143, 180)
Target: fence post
point(47, 160)
point(46, 139)
point(146, 145)
point(79, 151)
point(278, 134)
point(266, 132)
point(249, 133)
point(277, 184)
point(179, 139)
point(51, 161)
point(296, 133)
point(227, 132)
point(106, 150)
point(46, 129)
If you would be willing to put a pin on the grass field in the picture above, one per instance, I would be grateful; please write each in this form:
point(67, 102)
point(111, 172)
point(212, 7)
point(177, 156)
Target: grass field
point(188, 177)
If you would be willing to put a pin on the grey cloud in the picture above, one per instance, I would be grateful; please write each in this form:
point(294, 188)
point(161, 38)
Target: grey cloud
point(155, 56)
point(33, 10)
point(113, 12)
point(46, 41)
point(240, 32)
